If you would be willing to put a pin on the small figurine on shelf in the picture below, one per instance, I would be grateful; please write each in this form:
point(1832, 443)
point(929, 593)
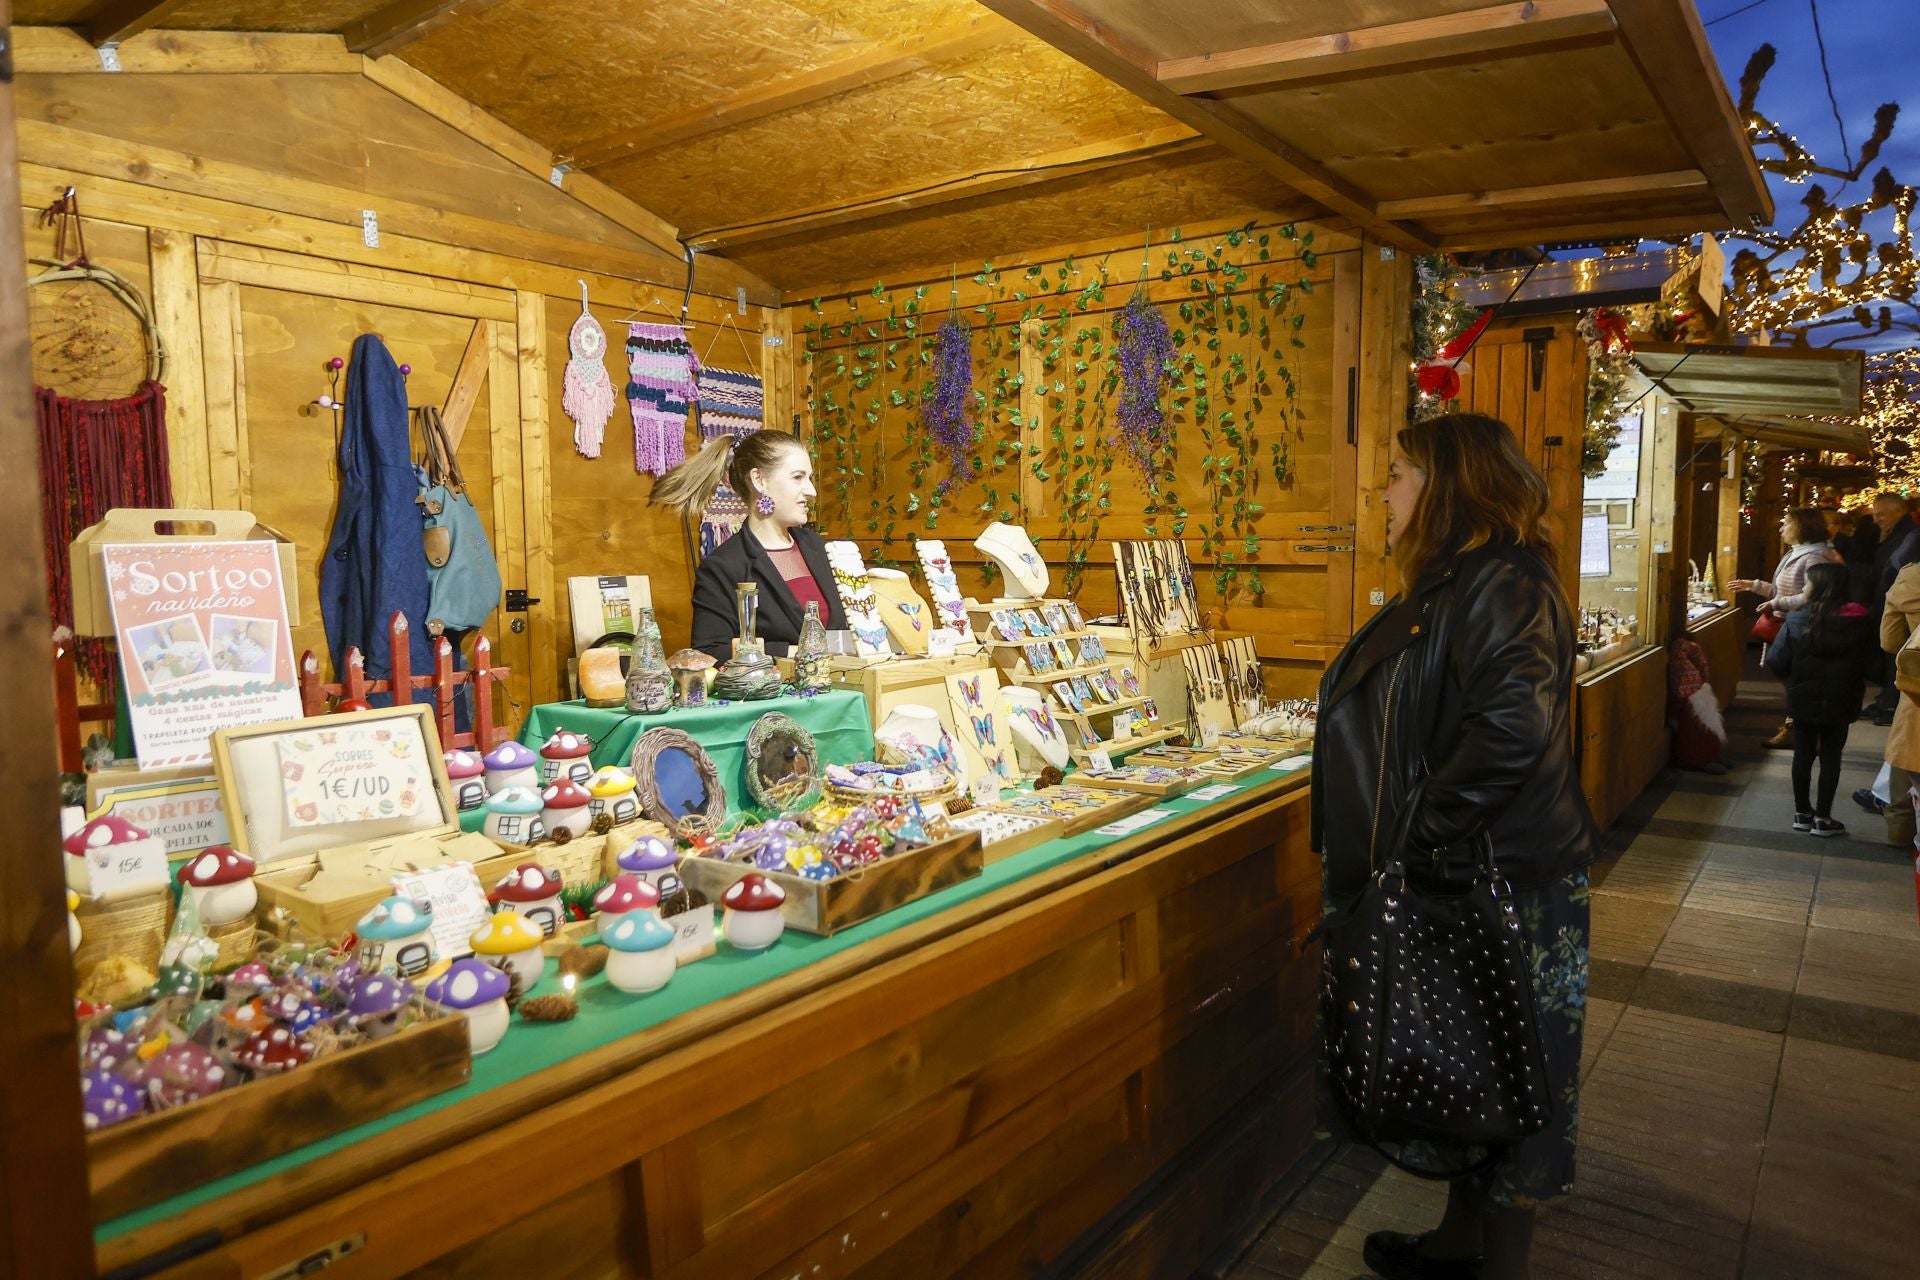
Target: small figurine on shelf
point(649, 683)
point(749, 674)
point(478, 990)
point(809, 656)
point(640, 955)
point(397, 934)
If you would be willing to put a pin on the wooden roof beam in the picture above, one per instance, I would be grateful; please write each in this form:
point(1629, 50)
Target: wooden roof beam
point(1051, 167)
point(1499, 30)
point(1648, 186)
point(124, 19)
point(874, 64)
point(401, 23)
point(1088, 41)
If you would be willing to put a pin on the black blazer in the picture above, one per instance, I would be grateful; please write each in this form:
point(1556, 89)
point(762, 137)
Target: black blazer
point(741, 558)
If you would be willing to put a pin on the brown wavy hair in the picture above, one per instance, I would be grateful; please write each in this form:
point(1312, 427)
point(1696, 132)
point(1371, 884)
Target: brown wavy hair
point(1480, 491)
point(688, 486)
point(1809, 524)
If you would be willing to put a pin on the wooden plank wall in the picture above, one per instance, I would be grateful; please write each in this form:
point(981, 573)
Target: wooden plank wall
point(1042, 341)
point(251, 252)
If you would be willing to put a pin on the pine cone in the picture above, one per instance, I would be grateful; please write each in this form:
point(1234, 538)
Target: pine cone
point(556, 1008)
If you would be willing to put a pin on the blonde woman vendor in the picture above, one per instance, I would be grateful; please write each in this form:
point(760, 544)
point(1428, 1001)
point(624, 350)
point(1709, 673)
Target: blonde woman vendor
point(775, 548)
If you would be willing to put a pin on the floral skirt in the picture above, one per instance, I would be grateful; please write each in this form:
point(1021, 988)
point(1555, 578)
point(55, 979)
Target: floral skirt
point(1556, 922)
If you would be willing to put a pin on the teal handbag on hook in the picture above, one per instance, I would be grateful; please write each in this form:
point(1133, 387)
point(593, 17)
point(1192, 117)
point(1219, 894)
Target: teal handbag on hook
point(463, 577)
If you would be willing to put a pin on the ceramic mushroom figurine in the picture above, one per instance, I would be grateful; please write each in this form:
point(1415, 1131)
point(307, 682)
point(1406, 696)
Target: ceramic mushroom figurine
point(221, 881)
point(397, 934)
point(271, 1052)
point(612, 792)
point(511, 942)
point(622, 895)
point(478, 990)
point(108, 1100)
point(639, 953)
point(467, 775)
point(108, 838)
point(753, 921)
point(513, 816)
point(511, 765)
point(565, 756)
point(179, 1074)
point(564, 805)
point(649, 857)
point(379, 1004)
point(73, 921)
point(250, 978)
point(534, 891)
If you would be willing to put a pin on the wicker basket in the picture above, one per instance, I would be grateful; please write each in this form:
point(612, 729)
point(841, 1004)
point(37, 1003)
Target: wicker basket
point(577, 861)
point(133, 927)
point(239, 942)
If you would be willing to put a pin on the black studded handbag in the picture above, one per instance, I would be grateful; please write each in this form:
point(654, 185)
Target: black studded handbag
point(1426, 1002)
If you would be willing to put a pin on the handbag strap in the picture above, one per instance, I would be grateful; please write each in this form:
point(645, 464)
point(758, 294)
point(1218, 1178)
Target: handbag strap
point(443, 465)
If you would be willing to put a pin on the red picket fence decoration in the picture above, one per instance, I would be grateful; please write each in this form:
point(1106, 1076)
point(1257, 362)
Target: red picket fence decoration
point(441, 685)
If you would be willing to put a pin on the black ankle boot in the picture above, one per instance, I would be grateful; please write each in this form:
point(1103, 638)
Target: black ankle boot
point(1396, 1255)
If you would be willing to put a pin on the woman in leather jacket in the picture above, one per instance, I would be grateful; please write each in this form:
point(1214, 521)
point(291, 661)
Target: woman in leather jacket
point(1465, 679)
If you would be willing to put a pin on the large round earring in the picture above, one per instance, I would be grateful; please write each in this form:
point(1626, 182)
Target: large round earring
point(763, 505)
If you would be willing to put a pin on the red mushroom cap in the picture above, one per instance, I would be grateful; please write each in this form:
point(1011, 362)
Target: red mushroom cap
point(754, 892)
point(626, 892)
point(274, 1050)
point(565, 794)
point(349, 705)
point(464, 764)
point(529, 882)
point(218, 864)
point(567, 745)
point(106, 829)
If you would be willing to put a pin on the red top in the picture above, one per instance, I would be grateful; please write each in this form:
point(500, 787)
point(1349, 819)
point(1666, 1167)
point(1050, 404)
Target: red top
point(793, 567)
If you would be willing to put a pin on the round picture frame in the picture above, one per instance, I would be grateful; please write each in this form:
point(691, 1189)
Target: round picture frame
point(677, 783)
point(777, 736)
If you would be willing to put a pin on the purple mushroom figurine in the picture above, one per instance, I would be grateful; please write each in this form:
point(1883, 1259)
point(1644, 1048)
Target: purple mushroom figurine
point(379, 1003)
point(108, 1099)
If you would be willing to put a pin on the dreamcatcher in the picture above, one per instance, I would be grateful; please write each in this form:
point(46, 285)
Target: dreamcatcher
point(587, 396)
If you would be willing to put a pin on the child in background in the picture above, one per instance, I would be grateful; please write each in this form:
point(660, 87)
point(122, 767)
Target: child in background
point(1821, 655)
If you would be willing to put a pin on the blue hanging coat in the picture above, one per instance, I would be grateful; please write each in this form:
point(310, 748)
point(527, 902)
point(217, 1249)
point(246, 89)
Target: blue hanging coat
point(374, 564)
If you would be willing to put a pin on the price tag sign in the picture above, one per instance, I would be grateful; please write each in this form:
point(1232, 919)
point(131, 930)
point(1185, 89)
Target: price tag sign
point(459, 904)
point(942, 644)
point(1098, 761)
point(1133, 822)
point(1209, 734)
point(986, 789)
point(1214, 792)
point(1291, 766)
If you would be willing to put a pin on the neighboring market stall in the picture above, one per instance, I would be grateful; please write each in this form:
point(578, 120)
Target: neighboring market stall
point(897, 955)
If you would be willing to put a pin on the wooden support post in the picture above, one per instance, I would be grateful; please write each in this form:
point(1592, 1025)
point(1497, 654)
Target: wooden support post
point(44, 1219)
point(467, 381)
point(1386, 347)
point(176, 316)
point(1726, 543)
point(779, 369)
point(1674, 624)
point(546, 662)
point(483, 678)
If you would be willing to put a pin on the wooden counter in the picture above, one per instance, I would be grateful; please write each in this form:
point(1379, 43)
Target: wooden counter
point(1723, 635)
point(1621, 731)
point(972, 1093)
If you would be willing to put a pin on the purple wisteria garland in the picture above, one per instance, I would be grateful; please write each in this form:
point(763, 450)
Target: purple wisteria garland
point(1143, 350)
point(945, 413)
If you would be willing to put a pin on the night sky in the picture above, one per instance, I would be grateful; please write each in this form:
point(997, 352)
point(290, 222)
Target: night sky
point(1873, 52)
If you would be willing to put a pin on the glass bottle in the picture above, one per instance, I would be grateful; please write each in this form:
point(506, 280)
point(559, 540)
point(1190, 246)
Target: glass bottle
point(809, 655)
point(649, 683)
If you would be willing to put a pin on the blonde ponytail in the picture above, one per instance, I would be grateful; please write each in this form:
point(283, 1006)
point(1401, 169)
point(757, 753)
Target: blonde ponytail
point(688, 487)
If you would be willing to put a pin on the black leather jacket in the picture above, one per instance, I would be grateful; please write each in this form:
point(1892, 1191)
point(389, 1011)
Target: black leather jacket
point(1480, 659)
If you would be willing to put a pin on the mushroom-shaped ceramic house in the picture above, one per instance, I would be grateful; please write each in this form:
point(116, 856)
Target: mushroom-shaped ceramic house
point(513, 816)
point(511, 765)
point(396, 933)
point(565, 755)
point(108, 1100)
point(623, 894)
point(564, 805)
point(753, 921)
point(639, 952)
point(106, 840)
point(272, 1051)
point(221, 882)
point(649, 857)
point(73, 921)
point(467, 775)
point(613, 793)
point(509, 941)
point(534, 891)
point(181, 1073)
point(380, 1003)
point(478, 990)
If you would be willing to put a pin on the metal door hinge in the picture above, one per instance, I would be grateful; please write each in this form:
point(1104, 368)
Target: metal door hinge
point(518, 600)
point(1323, 546)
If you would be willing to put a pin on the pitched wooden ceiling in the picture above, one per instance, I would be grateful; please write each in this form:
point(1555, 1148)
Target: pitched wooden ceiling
point(820, 140)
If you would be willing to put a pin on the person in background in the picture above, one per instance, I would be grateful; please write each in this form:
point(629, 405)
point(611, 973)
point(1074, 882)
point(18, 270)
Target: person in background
point(1898, 624)
point(1899, 547)
point(1804, 531)
point(1821, 654)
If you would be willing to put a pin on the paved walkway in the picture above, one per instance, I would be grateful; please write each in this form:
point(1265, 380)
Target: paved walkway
point(1750, 1102)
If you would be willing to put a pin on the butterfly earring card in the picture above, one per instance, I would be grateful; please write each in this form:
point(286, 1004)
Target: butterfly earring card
point(980, 721)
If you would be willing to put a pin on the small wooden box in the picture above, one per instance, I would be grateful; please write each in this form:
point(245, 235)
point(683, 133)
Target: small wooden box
point(144, 1161)
point(1141, 786)
point(827, 906)
point(1118, 805)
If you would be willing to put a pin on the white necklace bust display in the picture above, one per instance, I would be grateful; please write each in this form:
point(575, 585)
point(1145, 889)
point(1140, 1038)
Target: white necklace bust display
point(1008, 546)
point(916, 734)
point(1036, 734)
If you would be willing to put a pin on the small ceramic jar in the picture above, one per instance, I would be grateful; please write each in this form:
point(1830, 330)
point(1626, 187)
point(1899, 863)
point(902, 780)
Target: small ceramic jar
point(107, 839)
point(221, 882)
point(612, 791)
point(396, 934)
point(650, 858)
point(566, 756)
point(753, 920)
point(510, 942)
point(467, 776)
point(564, 805)
point(479, 991)
point(623, 894)
point(511, 765)
point(513, 816)
point(534, 891)
point(639, 953)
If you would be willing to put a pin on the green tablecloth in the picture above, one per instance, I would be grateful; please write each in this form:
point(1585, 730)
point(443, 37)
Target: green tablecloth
point(837, 720)
point(607, 1015)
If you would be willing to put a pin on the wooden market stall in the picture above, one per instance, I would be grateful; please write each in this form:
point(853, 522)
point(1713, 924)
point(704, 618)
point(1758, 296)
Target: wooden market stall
point(1099, 1050)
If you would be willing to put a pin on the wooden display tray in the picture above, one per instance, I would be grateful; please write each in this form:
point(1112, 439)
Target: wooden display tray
point(825, 907)
point(1158, 790)
point(285, 896)
point(1124, 803)
point(1084, 750)
point(1048, 829)
point(144, 1161)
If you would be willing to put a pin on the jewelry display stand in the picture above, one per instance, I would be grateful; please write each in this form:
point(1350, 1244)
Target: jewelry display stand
point(1021, 568)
